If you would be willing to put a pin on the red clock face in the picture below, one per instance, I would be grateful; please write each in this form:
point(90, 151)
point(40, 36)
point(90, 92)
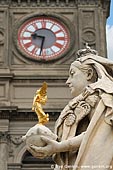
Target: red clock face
point(43, 38)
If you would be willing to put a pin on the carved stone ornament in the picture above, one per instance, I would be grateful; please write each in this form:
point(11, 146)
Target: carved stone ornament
point(16, 140)
point(89, 36)
point(4, 137)
point(82, 110)
point(70, 119)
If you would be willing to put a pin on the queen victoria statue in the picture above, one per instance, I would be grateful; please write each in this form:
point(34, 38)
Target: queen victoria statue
point(84, 128)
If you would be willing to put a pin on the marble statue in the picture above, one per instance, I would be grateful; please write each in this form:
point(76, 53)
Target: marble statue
point(84, 128)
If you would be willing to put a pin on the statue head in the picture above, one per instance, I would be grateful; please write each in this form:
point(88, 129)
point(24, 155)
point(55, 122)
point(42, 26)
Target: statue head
point(89, 69)
point(80, 76)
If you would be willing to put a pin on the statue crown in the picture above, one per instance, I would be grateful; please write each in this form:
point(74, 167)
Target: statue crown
point(87, 50)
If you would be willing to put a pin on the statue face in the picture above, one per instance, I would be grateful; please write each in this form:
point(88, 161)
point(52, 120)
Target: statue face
point(77, 81)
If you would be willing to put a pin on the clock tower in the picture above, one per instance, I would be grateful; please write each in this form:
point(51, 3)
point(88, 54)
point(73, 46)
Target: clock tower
point(38, 42)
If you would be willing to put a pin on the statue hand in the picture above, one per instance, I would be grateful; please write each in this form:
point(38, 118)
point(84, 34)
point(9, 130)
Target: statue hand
point(42, 152)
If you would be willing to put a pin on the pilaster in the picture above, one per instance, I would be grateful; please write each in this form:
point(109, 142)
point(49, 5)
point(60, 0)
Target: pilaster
point(4, 136)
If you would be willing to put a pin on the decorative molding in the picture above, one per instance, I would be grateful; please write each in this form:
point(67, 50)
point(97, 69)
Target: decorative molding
point(88, 18)
point(24, 115)
point(6, 112)
point(54, 3)
point(7, 76)
point(14, 166)
point(4, 90)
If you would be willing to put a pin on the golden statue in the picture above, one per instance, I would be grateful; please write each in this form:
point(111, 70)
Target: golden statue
point(34, 135)
point(40, 99)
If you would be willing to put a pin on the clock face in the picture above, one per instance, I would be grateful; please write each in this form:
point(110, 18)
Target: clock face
point(43, 38)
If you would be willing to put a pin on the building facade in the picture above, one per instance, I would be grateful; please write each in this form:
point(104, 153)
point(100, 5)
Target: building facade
point(38, 42)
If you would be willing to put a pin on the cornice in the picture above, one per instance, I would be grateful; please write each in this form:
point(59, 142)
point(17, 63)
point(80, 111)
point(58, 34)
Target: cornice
point(54, 3)
point(6, 76)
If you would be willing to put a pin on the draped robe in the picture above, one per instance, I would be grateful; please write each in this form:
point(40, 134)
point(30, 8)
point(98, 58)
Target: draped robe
point(96, 149)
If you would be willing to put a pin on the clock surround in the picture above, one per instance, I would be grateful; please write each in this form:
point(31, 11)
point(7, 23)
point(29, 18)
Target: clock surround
point(44, 37)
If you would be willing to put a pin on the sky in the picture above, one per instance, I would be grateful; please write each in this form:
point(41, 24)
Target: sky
point(109, 33)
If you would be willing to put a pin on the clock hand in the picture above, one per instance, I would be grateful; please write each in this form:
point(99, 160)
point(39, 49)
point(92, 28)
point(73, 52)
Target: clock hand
point(34, 35)
point(41, 48)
